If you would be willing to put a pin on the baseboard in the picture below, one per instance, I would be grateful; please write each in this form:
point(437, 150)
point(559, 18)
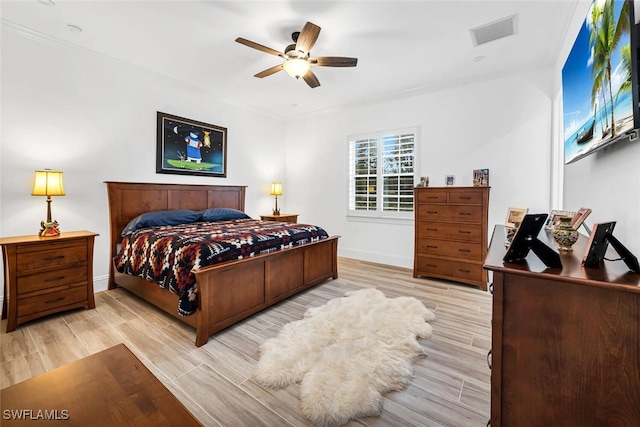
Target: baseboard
point(394, 260)
point(100, 283)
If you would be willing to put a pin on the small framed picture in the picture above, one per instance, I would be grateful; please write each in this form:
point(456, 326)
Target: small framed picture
point(424, 182)
point(515, 217)
point(481, 177)
point(450, 180)
point(579, 217)
point(554, 217)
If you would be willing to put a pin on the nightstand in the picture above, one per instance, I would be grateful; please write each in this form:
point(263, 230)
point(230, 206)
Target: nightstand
point(46, 275)
point(285, 217)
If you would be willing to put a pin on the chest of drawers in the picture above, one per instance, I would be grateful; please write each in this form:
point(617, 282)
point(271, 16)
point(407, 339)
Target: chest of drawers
point(451, 233)
point(46, 275)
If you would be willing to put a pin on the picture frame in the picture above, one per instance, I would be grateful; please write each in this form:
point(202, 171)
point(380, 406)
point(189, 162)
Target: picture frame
point(555, 215)
point(481, 177)
point(424, 182)
point(190, 147)
point(515, 217)
point(579, 217)
point(450, 180)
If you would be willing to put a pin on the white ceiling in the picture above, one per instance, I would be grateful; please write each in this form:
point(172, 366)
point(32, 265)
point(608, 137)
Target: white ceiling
point(403, 47)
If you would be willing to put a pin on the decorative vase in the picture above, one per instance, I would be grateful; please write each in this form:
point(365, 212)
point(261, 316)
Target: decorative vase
point(564, 234)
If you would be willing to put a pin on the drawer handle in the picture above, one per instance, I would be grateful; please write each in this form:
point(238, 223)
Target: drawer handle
point(465, 197)
point(432, 197)
point(464, 250)
point(432, 247)
point(432, 265)
point(51, 258)
point(489, 358)
point(465, 213)
point(464, 232)
point(464, 271)
point(432, 212)
point(55, 279)
point(432, 229)
point(54, 300)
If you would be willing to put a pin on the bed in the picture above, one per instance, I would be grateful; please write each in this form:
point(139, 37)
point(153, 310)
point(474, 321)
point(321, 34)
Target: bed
point(227, 292)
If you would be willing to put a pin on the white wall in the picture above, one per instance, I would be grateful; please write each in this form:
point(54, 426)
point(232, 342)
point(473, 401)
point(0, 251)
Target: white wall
point(607, 181)
point(94, 118)
point(502, 124)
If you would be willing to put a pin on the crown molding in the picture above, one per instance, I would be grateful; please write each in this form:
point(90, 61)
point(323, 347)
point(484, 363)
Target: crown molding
point(47, 39)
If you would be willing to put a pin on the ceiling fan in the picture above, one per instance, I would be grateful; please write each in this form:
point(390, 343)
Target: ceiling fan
point(297, 56)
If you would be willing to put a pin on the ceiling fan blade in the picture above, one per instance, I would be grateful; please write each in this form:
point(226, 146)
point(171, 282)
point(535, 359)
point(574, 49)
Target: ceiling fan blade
point(334, 61)
point(311, 79)
point(269, 71)
point(307, 38)
point(259, 47)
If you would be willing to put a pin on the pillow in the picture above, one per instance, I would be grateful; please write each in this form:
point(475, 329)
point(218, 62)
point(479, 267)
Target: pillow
point(158, 218)
point(222, 214)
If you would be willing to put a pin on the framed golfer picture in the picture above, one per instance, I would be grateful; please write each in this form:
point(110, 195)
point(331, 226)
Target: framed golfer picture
point(190, 147)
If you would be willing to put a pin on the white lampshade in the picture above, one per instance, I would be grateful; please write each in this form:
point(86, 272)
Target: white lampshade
point(276, 189)
point(48, 183)
point(296, 67)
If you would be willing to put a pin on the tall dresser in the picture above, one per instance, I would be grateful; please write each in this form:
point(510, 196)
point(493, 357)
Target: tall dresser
point(451, 233)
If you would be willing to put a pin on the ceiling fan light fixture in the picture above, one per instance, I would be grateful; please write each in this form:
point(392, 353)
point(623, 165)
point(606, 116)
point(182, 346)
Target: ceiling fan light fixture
point(296, 67)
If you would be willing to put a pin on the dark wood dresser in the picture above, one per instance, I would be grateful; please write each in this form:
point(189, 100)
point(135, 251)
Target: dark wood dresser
point(451, 233)
point(565, 342)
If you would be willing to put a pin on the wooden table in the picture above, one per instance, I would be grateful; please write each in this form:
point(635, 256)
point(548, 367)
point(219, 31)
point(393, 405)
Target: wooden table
point(109, 388)
point(565, 342)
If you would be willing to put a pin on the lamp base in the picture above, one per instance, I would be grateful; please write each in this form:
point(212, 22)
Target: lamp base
point(276, 211)
point(49, 229)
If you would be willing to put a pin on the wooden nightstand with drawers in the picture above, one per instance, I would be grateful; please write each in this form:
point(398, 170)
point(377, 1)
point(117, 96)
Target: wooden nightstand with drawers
point(46, 275)
point(285, 217)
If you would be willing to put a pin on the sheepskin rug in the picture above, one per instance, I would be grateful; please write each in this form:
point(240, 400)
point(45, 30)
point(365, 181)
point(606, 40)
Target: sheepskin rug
point(346, 354)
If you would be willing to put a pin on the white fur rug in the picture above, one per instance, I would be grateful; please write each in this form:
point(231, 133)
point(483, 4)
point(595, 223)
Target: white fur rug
point(346, 354)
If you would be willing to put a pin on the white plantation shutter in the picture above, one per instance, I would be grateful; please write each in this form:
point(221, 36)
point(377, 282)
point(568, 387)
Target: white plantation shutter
point(382, 169)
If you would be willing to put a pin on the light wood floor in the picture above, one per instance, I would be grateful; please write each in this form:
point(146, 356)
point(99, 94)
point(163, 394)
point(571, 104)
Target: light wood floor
point(450, 388)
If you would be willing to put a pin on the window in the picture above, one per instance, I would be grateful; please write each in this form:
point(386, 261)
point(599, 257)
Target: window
point(382, 173)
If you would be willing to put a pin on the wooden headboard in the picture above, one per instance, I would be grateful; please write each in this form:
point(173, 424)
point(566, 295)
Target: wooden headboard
point(127, 200)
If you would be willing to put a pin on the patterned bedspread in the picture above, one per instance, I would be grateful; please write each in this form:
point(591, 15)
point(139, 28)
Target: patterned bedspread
point(168, 255)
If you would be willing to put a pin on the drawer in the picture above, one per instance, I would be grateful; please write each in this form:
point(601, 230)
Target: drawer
point(52, 278)
point(431, 196)
point(452, 249)
point(40, 257)
point(465, 197)
point(446, 230)
point(464, 271)
point(428, 266)
point(51, 301)
point(453, 213)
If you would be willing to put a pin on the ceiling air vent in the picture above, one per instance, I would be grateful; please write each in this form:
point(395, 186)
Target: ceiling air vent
point(494, 30)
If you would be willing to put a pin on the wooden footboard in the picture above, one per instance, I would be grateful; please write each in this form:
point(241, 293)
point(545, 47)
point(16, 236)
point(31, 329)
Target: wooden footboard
point(227, 292)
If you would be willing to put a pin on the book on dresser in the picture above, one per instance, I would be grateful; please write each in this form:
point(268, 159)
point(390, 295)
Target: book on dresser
point(451, 233)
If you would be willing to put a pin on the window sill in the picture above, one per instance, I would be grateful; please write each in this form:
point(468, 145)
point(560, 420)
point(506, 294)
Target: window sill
point(405, 220)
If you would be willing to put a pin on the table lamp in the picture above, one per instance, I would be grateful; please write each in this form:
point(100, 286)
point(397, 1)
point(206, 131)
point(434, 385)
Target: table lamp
point(276, 190)
point(48, 183)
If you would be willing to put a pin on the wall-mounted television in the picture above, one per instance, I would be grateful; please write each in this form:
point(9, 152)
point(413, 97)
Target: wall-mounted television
point(600, 92)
